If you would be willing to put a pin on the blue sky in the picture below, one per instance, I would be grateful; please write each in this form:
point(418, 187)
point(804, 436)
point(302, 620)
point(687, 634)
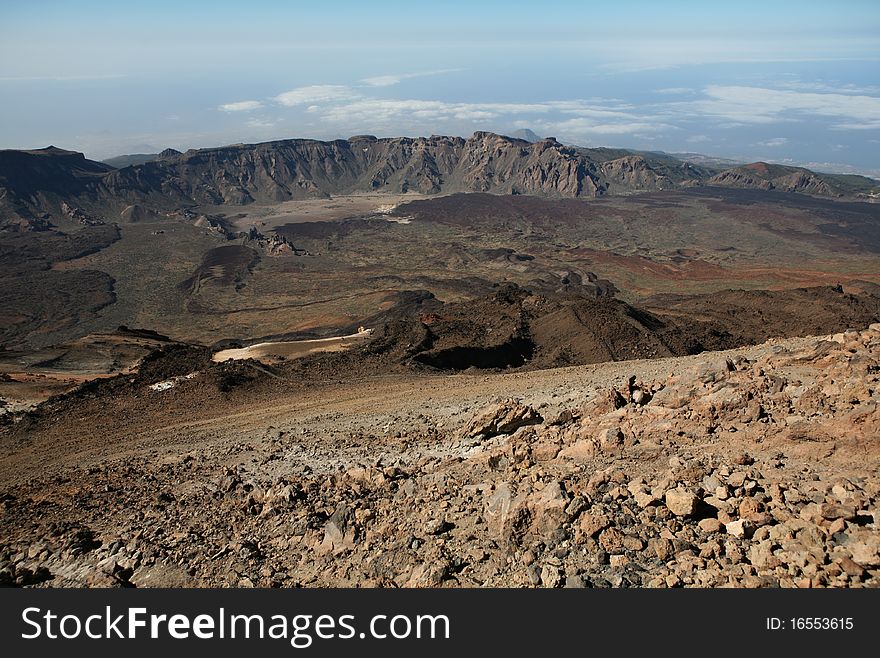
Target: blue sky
point(783, 81)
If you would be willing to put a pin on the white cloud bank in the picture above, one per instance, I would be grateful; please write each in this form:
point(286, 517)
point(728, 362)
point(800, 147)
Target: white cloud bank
point(368, 107)
point(761, 105)
point(241, 106)
point(315, 94)
point(343, 108)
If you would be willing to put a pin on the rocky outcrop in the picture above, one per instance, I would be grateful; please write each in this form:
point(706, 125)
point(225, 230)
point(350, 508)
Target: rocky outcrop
point(741, 179)
point(762, 176)
point(633, 173)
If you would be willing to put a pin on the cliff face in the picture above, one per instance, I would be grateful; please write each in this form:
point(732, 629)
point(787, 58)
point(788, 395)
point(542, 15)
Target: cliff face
point(34, 183)
point(32, 180)
point(294, 169)
point(300, 168)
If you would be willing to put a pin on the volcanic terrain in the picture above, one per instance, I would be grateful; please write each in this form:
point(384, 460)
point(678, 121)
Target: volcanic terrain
point(436, 362)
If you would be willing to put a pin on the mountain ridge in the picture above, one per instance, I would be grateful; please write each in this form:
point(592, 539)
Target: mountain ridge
point(39, 182)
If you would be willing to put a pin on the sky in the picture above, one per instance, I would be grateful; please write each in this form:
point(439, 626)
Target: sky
point(790, 82)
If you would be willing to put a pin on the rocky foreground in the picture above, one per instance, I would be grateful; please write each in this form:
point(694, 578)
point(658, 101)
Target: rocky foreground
point(755, 467)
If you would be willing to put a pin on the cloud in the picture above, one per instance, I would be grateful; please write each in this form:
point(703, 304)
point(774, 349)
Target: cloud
point(773, 143)
point(337, 109)
point(315, 94)
point(240, 106)
point(674, 91)
point(584, 118)
point(370, 107)
point(390, 80)
point(820, 86)
point(756, 105)
point(258, 122)
point(582, 127)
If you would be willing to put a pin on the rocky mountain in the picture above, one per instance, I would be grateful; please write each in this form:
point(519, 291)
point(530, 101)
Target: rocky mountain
point(763, 176)
point(36, 183)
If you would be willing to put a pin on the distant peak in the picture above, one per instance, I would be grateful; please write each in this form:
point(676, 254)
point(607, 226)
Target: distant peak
point(526, 134)
point(54, 150)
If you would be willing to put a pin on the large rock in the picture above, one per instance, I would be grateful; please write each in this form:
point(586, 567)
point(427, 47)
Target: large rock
point(503, 418)
point(339, 534)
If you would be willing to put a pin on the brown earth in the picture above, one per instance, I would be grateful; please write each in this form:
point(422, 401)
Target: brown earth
point(755, 467)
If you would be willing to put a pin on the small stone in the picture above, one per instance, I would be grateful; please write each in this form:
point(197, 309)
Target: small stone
point(662, 548)
point(575, 507)
point(574, 582)
point(631, 543)
point(720, 505)
point(611, 540)
point(610, 438)
point(838, 525)
point(748, 507)
point(866, 553)
point(642, 495)
point(640, 397)
point(739, 529)
point(437, 527)
point(681, 502)
point(761, 519)
point(710, 525)
point(534, 574)
point(619, 560)
point(832, 511)
point(761, 555)
point(550, 576)
point(851, 567)
point(592, 523)
point(504, 418)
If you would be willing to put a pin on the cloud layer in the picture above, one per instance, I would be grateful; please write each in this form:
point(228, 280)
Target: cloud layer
point(762, 105)
point(367, 107)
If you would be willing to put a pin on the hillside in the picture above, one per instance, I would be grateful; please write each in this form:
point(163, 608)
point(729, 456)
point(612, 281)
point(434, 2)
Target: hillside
point(752, 468)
